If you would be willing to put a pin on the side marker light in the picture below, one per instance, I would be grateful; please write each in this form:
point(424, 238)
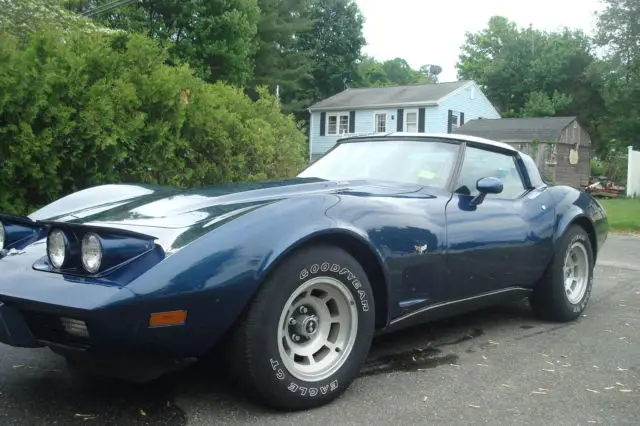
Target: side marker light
point(164, 319)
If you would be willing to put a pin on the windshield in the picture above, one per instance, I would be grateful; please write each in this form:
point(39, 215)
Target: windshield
point(420, 162)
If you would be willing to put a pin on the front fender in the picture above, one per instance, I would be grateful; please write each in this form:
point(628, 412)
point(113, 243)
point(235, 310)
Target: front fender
point(216, 276)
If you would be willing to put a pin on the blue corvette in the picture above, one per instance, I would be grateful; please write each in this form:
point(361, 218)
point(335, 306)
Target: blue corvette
point(291, 280)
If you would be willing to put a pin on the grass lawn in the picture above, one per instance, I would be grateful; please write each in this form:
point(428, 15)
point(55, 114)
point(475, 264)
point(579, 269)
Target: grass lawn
point(623, 214)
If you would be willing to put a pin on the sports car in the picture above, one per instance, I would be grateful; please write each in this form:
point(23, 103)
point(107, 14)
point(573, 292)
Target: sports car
point(291, 280)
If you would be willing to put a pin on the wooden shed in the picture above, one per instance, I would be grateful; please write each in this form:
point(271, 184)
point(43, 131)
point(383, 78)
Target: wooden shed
point(560, 146)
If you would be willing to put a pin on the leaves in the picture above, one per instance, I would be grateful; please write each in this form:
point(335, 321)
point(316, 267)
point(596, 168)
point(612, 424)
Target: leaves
point(531, 73)
point(94, 108)
point(216, 38)
point(301, 46)
point(333, 44)
point(372, 73)
point(24, 17)
point(539, 104)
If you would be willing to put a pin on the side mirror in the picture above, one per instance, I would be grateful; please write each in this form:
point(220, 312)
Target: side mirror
point(487, 185)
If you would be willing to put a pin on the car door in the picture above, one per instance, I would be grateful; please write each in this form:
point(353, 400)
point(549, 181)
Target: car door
point(502, 242)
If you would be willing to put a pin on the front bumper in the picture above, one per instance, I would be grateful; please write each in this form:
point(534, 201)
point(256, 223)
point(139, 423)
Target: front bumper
point(33, 304)
point(14, 330)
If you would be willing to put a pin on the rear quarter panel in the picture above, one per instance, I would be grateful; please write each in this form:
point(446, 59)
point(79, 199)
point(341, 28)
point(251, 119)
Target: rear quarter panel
point(576, 206)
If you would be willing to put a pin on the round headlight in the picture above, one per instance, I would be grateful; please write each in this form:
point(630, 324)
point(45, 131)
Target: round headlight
point(2, 235)
point(91, 253)
point(57, 248)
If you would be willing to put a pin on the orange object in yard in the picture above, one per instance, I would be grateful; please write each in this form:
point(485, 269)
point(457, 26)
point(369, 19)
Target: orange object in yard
point(160, 319)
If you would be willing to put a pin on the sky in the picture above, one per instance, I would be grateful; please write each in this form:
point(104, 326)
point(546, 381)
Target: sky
point(431, 32)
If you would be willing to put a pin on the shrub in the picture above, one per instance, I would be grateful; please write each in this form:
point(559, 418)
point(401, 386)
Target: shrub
point(87, 108)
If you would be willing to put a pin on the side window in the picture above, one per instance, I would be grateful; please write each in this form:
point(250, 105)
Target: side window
point(479, 163)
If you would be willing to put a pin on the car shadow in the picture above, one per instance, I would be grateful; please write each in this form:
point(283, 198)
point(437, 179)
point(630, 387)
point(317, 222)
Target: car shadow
point(50, 393)
point(413, 349)
point(44, 391)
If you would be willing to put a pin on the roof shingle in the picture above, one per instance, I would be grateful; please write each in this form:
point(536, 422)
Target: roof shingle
point(517, 129)
point(388, 96)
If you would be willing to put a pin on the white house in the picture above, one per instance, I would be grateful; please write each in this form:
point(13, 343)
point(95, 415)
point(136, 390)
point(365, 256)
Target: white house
point(432, 108)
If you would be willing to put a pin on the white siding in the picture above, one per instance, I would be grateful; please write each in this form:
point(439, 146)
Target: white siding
point(470, 100)
point(473, 107)
point(364, 124)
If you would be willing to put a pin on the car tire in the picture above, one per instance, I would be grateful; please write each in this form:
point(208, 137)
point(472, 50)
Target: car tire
point(333, 313)
point(565, 289)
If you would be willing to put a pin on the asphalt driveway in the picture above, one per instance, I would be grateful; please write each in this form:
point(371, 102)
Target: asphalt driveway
point(500, 366)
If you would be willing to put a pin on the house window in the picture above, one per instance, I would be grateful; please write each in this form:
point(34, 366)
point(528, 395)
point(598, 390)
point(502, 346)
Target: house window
point(332, 124)
point(455, 120)
point(344, 124)
point(337, 124)
point(380, 122)
point(411, 121)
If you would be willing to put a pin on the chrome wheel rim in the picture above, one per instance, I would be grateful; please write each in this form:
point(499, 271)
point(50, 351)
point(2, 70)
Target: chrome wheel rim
point(317, 329)
point(576, 272)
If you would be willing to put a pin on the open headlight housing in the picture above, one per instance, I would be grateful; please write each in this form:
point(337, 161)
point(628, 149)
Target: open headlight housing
point(57, 248)
point(18, 232)
point(92, 252)
point(83, 250)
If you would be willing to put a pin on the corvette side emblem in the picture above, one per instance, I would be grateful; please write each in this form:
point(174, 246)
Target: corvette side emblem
point(420, 249)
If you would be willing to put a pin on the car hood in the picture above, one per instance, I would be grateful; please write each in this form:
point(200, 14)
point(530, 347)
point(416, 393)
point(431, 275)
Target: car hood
point(167, 212)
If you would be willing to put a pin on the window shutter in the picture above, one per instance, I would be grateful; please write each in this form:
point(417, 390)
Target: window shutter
point(449, 121)
point(400, 120)
point(323, 123)
point(461, 119)
point(352, 122)
point(421, 119)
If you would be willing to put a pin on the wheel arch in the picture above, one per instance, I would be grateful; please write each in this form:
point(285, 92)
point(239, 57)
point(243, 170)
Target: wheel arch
point(590, 229)
point(356, 246)
point(572, 207)
point(585, 223)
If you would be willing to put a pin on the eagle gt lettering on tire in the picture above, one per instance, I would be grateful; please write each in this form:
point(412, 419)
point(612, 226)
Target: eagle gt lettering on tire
point(308, 331)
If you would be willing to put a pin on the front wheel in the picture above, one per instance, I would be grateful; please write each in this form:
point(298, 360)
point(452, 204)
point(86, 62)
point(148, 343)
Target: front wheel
point(565, 289)
point(308, 331)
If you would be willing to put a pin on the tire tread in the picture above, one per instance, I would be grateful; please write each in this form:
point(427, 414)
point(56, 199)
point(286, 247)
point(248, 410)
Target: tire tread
point(548, 301)
point(242, 354)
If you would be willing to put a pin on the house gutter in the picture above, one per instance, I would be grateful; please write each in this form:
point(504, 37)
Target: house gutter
point(377, 106)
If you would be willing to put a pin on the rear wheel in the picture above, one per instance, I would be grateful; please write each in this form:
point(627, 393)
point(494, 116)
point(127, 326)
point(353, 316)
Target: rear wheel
point(564, 291)
point(308, 331)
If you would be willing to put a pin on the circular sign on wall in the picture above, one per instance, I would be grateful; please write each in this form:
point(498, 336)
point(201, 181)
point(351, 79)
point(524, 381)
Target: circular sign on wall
point(573, 157)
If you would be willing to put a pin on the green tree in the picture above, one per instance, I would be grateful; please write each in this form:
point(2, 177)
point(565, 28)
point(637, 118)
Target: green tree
point(394, 72)
point(540, 104)
point(214, 37)
point(334, 44)
point(490, 58)
point(619, 32)
point(432, 71)
point(371, 73)
point(25, 17)
point(279, 63)
point(530, 72)
point(84, 108)
point(619, 35)
point(401, 73)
